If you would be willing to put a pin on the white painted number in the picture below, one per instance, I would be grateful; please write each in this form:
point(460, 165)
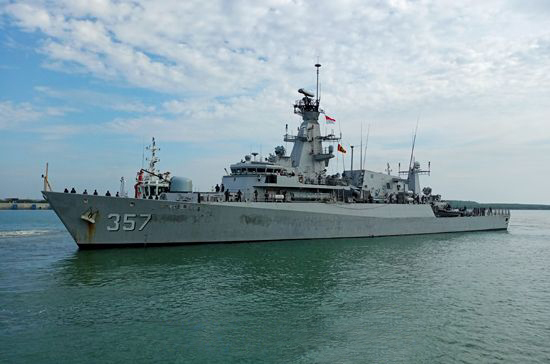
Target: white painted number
point(147, 219)
point(128, 222)
point(116, 222)
point(132, 223)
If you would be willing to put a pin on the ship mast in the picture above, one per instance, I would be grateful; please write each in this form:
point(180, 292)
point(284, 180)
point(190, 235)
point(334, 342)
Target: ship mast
point(154, 159)
point(309, 158)
point(317, 65)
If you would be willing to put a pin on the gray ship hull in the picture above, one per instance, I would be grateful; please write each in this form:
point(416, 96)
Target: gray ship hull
point(98, 221)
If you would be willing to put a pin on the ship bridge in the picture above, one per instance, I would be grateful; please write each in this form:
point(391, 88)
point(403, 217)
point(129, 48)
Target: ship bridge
point(255, 168)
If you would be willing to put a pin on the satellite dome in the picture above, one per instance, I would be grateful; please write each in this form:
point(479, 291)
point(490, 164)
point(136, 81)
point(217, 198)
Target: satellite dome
point(181, 184)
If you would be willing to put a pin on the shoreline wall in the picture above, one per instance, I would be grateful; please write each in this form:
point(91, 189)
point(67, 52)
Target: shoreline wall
point(24, 206)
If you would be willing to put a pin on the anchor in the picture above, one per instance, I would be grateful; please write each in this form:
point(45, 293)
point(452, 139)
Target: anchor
point(89, 216)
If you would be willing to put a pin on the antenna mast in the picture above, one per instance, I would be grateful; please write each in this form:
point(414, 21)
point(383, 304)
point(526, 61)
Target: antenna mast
point(366, 146)
point(47, 186)
point(317, 65)
point(361, 149)
point(414, 141)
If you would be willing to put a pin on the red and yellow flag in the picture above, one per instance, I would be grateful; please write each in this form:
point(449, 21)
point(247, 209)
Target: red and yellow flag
point(341, 149)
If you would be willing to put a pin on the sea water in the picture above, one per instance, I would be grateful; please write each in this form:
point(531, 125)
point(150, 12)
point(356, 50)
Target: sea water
point(448, 298)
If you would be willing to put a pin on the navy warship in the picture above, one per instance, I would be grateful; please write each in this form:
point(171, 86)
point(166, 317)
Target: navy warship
point(280, 197)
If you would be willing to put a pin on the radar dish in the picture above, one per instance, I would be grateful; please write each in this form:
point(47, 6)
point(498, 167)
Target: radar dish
point(305, 92)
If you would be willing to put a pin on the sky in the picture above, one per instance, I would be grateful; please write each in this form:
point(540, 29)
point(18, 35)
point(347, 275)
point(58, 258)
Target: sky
point(86, 84)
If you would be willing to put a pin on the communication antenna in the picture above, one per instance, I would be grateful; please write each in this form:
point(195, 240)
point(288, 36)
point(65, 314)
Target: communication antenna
point(286, 135)
point(122, 191)
point(366, 146)
point(413, 143)
point(47, 186)
point(361, 149)
point(317, 65)
point(142, 153)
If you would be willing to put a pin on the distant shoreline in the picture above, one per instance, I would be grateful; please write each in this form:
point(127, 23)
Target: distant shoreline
point(24, 205)
point(508, 206)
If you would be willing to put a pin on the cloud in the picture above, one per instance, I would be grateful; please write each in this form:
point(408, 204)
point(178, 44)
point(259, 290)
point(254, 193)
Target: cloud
point(204, 121)
point(108, 101)
point(477, 73)
point(14, 116)
point(381, 53)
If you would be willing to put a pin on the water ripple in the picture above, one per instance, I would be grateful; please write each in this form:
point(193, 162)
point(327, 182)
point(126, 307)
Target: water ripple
point(451, 298)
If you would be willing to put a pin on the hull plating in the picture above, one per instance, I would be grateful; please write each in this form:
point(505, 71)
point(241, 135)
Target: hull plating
point(124, 221)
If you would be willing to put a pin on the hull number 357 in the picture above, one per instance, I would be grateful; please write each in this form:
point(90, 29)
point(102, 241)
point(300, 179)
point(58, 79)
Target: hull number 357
point(129, 221)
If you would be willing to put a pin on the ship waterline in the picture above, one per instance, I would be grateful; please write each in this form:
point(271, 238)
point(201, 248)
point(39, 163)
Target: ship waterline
point(140, 222)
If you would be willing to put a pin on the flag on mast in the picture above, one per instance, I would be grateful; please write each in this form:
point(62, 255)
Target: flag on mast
point(329, 120)
point(341, 148)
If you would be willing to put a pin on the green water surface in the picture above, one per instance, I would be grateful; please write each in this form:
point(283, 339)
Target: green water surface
point(448, 298)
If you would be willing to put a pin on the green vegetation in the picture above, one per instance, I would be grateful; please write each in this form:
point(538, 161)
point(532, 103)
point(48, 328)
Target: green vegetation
point(509, 206)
